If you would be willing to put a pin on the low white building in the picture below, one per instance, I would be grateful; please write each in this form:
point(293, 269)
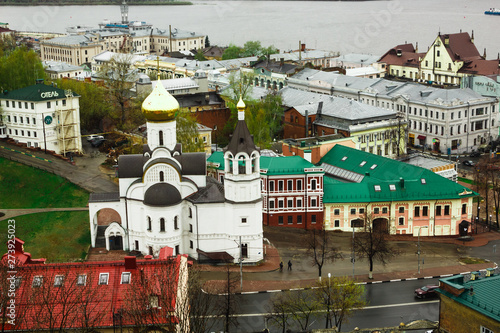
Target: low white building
point(59, 70)
point(42, 116)
point(166, 199)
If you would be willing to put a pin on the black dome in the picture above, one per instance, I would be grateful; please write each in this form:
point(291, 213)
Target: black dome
point(162, 194)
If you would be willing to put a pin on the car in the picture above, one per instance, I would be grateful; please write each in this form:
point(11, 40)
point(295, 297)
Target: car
point(468, 163)
point(97, 142)
point(475, 154)
point(93, 137)
point(426, 291)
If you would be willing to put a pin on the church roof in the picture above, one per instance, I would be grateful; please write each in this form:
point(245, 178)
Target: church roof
point(212, 193)
point(130, 166)
point(193, 163)
point(162, 194)
point(160, 105)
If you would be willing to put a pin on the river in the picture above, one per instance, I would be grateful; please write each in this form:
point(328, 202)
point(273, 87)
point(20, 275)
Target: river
point(366, 27)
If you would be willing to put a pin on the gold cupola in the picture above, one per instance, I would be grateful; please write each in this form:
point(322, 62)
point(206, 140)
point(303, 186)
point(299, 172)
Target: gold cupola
point(160, 105)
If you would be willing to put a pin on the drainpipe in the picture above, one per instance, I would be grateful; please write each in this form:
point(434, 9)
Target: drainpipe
point(305, 203)
point(268, 209)
point(127, 248)
point(197, 233)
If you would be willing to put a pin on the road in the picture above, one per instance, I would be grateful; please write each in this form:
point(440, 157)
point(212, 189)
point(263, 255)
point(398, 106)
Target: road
point(389, 305)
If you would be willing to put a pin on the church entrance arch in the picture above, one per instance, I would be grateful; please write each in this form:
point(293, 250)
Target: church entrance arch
point(381, 225)
point(101, 220)
point(115, 243)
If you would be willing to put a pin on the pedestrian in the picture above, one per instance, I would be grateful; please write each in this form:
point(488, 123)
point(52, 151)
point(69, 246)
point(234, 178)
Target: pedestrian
point(281, 266)
point(289, 265)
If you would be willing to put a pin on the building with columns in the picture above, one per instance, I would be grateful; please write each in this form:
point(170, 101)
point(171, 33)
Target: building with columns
point(166, 199)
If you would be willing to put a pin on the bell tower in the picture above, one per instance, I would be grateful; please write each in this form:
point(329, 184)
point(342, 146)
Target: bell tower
point(242, 163)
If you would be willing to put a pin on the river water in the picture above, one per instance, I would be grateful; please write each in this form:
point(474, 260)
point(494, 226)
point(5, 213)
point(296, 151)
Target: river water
point(365, 26)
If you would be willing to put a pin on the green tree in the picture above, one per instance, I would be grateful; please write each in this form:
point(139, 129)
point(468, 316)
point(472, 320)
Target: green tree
point(207, 41)
point(7, 44)
point(199, 56)
point(252, 48)
point(232, 52)
point(19, 69)
point(120, 78)
point(338, 297)
point(187, 132)
point(94, 102)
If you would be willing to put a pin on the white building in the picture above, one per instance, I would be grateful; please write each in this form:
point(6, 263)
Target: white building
point(42, 116)
point(59, 70)
point(450, 121)
point(166, 199)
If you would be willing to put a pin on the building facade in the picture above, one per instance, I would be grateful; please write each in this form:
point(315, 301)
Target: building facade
point(396, 197)
point(449, 121)
point(42, 116)
point(166, 199)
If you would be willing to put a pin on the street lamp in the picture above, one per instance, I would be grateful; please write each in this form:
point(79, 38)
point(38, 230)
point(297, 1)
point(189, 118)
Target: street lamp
point(328, 319)
point(418, 251)
point(352, 258)
point(478, 210)
point(491, 222)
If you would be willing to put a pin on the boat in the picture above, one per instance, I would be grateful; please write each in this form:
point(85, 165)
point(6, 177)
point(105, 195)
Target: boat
point(493, 11)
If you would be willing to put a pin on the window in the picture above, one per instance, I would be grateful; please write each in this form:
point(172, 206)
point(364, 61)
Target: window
point(15, 119)
point(28, 120)
point(244, 250)
point(149, 223)
point(34, 121)
point(153, 301)
point(425, 211)
point(190, 227)
point(447, 210)
point(377, 188)
point(64, 102)
point(299, 202)
point(376, 210)
point(177, 251)
point(7, 103)
point(289, 185)
point(299, 185)
point(486, 330)
point(280, 203)
point(280, 220)
point(401, 210)
point(280, 185)
point(314, 202)
point(271, 186)
point(353, 211)
point(20, 105)
point(243, 220)
point(48, 105)
point(162, 176)
point(137, 245)
point(125, 278)
point(362, 163)
point(37, 281)
point(290, 219)
point(392, 187)
point(58, 280)
point(384, 210)
point(336, 212)
point(289, 203)
point(176, 226)
point(464, 208)
point(417, 211)
point(190, 212)
point(313, 219)
point(299, 219)
point(438, 210)
point(401, 221)
point(271, 204)
point(361, 210)
point(162, 225)
point(373, 167)
point(313, 184)
point(160, 137)
point(336, 223)
point(81, 280)
point(191, 244)
point(103, 278)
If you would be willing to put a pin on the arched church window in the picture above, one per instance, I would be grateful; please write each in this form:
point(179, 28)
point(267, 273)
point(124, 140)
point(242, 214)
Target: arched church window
point(161, 137)
point(161, 176)
point(190, 212)
point(176, 222)
point(149, 223)
point(162, 225)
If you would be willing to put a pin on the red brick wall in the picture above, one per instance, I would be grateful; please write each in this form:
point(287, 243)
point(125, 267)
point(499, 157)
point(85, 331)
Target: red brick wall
point(212, 118)
point(295, 124)
point(273, 220)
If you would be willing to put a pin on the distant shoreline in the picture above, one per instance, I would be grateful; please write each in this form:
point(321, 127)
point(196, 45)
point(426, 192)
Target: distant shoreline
point(97, 3)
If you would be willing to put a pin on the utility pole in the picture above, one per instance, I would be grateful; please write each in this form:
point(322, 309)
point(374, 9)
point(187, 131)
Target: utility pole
point(241, 266)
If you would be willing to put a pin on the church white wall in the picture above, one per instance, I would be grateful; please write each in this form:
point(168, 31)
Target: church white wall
point(200, 181)
point(124, 184)
point(168, 129)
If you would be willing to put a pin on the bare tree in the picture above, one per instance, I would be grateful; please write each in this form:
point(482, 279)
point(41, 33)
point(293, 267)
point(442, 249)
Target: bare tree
point(201, 304)
point(373, 244)
point(301, 306)
point(279, 308)
point(319, 245)
point(338, 297)
point(228, 304)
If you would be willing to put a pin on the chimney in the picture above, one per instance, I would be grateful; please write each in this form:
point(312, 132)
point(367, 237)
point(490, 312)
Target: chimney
point(484, 55)
point(130, 262)
point(307, 124)
point(282, 62)
point(416, 47)
point(320, 109)
point(472, 38)
point(307, 155)
point(303, 47)
point(402, 182)
point(474, 275)
point(446, 40)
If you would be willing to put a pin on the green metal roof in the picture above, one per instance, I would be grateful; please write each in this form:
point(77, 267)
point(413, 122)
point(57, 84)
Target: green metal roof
point(282, 165)
point(35, 93)
point(482, 298)
point(379, 179)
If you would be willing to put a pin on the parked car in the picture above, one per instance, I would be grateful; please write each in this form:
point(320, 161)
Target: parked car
point(93, 137)
point(468, 163)
point(475, 154)
point(97, 142)
point(426, 291)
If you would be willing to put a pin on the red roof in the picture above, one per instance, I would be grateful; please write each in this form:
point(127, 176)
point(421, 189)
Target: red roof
point(103, 294)
point(460, 46)
point(402, 55)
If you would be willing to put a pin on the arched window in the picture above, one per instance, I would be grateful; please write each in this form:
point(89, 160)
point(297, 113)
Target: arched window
point(162, 225)
point(190, 212)
point(161, 176)
point(176, 224)
point(161, 137)
point(149, 223)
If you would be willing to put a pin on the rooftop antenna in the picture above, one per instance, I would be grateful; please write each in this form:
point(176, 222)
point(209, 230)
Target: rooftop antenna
point(124, 10)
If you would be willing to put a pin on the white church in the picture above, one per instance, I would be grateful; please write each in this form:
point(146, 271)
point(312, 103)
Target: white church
point(166, 199)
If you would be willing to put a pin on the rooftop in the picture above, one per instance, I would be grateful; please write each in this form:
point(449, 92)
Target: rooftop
point(36, 93)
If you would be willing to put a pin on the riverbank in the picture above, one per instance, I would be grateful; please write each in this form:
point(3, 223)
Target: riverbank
point(96, 3)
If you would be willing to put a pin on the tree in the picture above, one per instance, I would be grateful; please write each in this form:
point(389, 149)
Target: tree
point(372, 243)
point(120, 78)
point(207, 41)
point(278, 307)
point(294, 308)
point(229, 303)
point(319, 245)
point(201, 304)
point(338, 297)
point(7, 44)
point(200, 56)
point(232, 52)
point(187, 132)
point(252, 48)
point(482, 180)
point(20, 68)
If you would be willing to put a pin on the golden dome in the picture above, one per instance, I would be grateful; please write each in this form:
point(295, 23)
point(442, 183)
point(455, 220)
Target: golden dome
point(241, 105)
point(160, 105)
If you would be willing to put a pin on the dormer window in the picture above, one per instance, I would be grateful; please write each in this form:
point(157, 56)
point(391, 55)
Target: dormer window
point(423, 181)
point(81, 280)
point(125, 278)
point(37, 281)
point(377, 188)
point(362, 163)
point(58, 280)
point(344, 158)
point(373, 167)
point(103, 278)
point(392, 187)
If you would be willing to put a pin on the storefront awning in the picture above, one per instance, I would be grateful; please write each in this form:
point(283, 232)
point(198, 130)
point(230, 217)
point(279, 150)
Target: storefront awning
point(421, 137)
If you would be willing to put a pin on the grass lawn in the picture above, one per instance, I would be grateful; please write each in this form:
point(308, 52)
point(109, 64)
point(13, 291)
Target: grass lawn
point(27, 187)
point(56, 236)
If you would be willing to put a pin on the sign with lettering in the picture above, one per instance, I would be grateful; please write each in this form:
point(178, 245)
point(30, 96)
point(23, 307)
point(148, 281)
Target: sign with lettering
point(49, 94)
